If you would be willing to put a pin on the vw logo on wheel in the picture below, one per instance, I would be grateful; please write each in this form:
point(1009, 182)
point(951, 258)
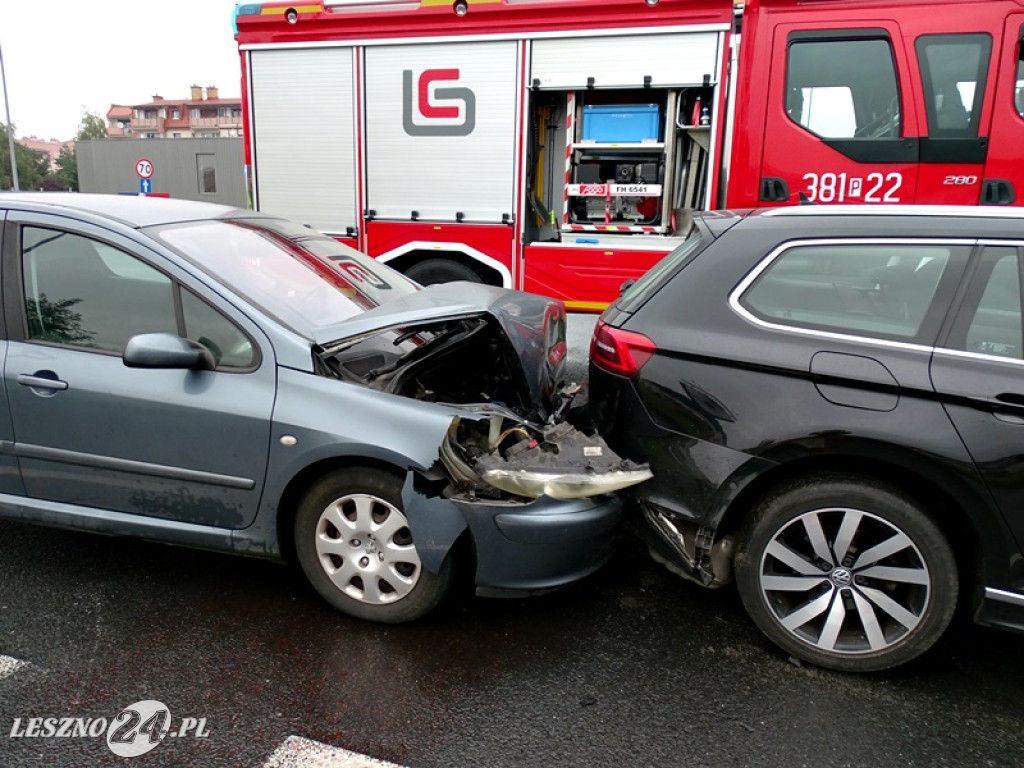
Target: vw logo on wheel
point(842, 577)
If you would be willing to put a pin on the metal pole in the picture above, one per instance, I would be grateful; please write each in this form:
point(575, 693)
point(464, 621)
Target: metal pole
point(10, 132)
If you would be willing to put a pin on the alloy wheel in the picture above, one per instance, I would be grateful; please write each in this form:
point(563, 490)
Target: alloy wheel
point(844, 581)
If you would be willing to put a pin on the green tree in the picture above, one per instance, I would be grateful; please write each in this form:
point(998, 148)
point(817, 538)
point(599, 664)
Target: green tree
point(92, 126)
point(32, 167)
point(56, 321)
point(66, 174)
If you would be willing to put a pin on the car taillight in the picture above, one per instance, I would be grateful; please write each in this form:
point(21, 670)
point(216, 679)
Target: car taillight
point(618, 351)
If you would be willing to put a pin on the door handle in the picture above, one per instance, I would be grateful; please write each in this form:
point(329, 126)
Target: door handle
point(998, 192)
point(1008, 407)
point(774, 190)
point(36, 381)
point(1010, 398)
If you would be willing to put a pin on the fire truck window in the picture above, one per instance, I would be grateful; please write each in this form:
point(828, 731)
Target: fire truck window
point(953, 73)
point(1018, 92)
point(840, 89)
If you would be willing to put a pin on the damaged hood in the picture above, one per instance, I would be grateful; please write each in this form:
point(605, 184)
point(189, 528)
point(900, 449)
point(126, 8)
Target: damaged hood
point(533, 327)
point(496, 357)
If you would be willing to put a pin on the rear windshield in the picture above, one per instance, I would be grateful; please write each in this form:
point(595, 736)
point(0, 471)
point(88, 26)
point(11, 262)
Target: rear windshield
point(296, 275)
point(646, 286)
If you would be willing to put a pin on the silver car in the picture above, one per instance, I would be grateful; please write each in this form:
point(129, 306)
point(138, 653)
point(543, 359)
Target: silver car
point(212, 377)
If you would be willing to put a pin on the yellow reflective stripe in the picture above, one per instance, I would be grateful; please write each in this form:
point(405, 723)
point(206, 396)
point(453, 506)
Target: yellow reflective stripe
point(299, 8)
point(591, 306)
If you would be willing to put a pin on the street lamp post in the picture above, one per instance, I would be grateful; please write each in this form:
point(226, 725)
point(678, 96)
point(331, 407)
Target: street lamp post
point(10, 132)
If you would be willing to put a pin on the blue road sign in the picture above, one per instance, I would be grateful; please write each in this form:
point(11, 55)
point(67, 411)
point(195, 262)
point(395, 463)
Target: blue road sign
point(145, 186)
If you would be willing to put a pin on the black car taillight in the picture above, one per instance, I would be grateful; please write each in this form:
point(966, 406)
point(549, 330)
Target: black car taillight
point(619, 351)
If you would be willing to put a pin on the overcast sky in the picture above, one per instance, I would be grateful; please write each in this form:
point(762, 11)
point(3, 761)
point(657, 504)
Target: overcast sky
point(62, 57)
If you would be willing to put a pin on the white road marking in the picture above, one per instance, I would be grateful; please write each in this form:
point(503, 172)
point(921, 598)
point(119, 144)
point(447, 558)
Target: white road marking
point(9, 665)
point(297, 752)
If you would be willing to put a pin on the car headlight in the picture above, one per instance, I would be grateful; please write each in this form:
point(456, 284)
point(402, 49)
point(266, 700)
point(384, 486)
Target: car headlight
point(563, 485)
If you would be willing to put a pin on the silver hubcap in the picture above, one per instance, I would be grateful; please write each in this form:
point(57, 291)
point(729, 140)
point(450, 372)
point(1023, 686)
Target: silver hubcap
point(845, 581)
point(365, 547)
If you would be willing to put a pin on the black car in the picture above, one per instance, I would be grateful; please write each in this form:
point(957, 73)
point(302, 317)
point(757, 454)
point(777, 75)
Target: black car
point(832, 402)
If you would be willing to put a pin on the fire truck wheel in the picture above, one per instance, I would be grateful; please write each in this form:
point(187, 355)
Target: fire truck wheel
point(431, 271)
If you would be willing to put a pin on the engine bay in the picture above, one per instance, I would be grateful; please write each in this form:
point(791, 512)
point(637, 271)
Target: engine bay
point(510, 440)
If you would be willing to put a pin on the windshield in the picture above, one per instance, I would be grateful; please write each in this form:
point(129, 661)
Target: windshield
point(294, 274)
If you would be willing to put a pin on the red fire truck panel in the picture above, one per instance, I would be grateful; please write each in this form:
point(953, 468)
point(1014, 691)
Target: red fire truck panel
point(441, 131)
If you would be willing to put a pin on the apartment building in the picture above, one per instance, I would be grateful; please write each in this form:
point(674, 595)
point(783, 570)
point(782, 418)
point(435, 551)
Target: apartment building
point(203, 116)
point(50, 149)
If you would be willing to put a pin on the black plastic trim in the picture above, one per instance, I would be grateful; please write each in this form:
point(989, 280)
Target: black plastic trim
point(972, 150)
point(862, 33)
point(906, 150)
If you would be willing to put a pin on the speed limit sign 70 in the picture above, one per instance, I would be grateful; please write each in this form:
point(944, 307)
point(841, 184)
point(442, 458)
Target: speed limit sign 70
point(144, 169)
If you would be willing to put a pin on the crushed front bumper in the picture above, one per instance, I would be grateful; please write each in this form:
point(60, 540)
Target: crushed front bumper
point(520, 547)
point(542, 545)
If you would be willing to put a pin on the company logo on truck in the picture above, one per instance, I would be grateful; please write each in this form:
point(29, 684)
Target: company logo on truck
point(434, 114)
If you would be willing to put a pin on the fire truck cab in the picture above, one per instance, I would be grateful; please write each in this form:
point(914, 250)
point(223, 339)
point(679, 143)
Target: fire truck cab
point(555, 145)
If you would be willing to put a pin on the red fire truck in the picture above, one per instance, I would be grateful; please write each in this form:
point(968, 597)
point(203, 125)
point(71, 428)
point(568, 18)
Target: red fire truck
point(555, 145)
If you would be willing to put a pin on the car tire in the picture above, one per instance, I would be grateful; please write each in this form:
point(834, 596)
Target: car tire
point(433, 271)
point(846, 573)
point(354, 544)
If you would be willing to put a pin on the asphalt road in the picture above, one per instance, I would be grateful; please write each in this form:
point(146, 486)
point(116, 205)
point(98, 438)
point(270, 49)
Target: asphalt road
point(633, 667)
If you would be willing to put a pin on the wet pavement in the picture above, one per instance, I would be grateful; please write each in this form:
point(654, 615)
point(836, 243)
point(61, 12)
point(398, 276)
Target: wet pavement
point(633, 667)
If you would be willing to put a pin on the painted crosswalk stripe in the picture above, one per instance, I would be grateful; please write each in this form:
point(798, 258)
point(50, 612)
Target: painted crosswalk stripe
point(297, 752)
point(9, 665)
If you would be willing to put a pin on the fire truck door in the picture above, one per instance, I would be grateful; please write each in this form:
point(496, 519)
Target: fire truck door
point(840, 123)
point(957, 89)
point(1003, 180)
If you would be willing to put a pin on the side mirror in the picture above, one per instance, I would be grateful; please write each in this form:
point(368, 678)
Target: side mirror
point(166, 350)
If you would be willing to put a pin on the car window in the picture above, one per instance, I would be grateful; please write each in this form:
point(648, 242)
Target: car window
point(231, 347)
point(875, 289)
point(990, 320)
point(124, 265)
point(84, 293)
point(652, 279)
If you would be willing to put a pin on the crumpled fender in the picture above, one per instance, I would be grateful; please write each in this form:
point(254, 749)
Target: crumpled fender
point(436, 523)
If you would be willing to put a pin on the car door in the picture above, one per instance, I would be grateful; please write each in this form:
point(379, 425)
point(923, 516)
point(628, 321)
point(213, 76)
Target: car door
point(979, 374)
point(184, 445)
